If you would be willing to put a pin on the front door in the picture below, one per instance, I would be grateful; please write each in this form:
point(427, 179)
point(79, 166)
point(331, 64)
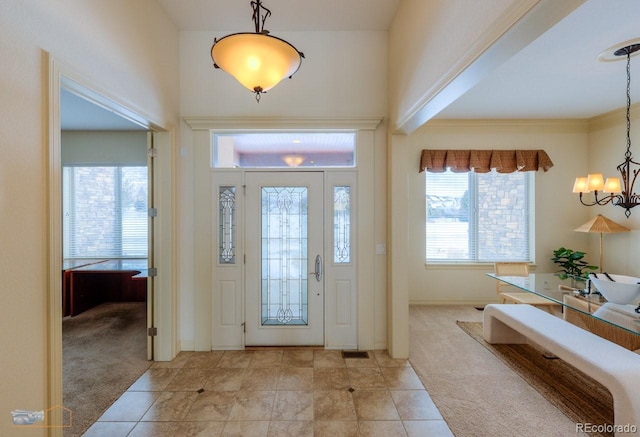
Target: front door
point(284, 291)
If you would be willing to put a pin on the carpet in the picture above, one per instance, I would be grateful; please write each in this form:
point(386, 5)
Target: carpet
point(104, 351)
point(577, 395)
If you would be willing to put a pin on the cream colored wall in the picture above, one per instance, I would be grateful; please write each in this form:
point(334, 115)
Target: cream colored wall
point(107, 147)
point(607, 145)
point(344, 74)
point(127, 48)
point(557, 210)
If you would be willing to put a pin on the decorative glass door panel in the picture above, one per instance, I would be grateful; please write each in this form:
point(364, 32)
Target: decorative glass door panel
point(284, 256)
point(284, 284)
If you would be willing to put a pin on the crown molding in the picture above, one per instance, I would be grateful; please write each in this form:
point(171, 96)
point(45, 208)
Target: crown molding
point(614, 118)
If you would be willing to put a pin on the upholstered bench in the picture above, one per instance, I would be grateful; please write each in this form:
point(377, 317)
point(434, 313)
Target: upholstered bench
point(613, 366)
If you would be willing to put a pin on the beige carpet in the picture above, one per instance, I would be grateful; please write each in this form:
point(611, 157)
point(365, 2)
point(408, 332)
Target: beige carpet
point(577, 395)
point(476, 392)
point(104, 352)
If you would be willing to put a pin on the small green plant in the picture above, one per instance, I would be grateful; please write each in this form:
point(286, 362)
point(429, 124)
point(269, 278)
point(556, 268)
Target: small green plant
point(571, 263)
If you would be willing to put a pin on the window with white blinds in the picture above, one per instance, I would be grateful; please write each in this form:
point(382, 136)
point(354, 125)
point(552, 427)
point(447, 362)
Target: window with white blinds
point(105, 212)
point(478, 217)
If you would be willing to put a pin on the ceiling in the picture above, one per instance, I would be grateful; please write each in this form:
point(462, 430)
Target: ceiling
point(556, 76)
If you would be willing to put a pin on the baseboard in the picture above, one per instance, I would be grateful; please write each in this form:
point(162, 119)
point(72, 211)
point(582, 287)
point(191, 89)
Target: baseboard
point(187, 346)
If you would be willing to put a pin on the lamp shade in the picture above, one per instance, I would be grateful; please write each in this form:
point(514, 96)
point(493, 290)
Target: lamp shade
point(603, 225)
point(595, 181)
point(580, 185)
point(257, 60)
point(612, 185)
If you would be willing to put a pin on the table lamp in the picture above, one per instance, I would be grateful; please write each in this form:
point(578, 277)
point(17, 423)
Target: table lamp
point(601, 225)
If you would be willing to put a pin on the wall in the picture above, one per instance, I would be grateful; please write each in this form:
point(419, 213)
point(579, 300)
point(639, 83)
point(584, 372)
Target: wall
point(607, 145)
point(344, 74)
point(107, 147)
point(557, 211)
point(128, 48)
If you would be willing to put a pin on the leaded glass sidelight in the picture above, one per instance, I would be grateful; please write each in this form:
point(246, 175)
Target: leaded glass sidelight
point(284, 276)
point(227, 219)
point(341, 224)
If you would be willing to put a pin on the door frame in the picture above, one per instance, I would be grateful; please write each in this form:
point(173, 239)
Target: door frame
point(342, 295)
point(203, 327)
point(164, 344)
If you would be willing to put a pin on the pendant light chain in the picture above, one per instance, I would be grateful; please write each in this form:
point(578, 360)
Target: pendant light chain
point(628, 152)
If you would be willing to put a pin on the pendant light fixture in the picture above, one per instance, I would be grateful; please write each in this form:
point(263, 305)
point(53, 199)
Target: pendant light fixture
point(618, 195)
point(257, 60)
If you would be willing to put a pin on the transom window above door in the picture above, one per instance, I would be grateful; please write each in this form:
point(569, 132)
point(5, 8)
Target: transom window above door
point(284, 149)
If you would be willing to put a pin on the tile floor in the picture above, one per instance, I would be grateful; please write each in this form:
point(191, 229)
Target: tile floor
point(274, 392)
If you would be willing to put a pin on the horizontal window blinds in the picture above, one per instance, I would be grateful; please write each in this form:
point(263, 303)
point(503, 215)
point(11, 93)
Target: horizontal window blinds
point(105, 212)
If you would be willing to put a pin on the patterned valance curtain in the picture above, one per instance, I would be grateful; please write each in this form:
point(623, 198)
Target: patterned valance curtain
point(482, 161)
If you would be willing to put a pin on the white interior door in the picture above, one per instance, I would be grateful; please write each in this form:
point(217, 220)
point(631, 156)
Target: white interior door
point(284, 294)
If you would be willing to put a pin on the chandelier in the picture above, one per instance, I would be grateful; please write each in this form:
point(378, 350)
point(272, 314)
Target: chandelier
point(616, 194)
point(257, 60)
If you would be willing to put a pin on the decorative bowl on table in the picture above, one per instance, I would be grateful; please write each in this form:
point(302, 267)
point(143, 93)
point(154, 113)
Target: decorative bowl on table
point(618, 289)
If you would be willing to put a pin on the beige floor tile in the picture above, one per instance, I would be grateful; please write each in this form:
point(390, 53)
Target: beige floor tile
point(211, 406)
point(384, 428)
point(330, 378)
point(189, 380)
point(295, 378)
point(333, 405)
point(327, 358)
point(267, 358)
point(366, 378)
point(252, 405)
point(235, 359)
point(204, 360)
point(170, 406)
point(374, 405)
point(260, 378)
point(333, 428)
point(297, 358)
point(281, 392)
point(154, 379)
point(174, 429)
point(130, 407)
point(421, 428)
point(223, 379)
point(111, 429)
point(253, 428)
point(290, 429)
point(401, 378)
point(415, 405)
point(293, 405)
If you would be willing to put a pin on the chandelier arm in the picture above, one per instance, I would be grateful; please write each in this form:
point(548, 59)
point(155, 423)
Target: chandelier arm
point(602, 201)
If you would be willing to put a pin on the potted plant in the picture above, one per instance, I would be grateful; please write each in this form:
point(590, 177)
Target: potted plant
point(572, 265)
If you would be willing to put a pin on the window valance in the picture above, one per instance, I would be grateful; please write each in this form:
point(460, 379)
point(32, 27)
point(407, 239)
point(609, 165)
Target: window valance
point(482, 161)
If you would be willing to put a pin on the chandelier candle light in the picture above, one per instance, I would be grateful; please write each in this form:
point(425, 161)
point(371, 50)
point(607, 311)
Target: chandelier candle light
point(257, 60)
point(617, 194)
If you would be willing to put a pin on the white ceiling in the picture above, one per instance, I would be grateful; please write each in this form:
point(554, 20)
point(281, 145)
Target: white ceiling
point(286, 15)
point(556, 76)
point(559, 74)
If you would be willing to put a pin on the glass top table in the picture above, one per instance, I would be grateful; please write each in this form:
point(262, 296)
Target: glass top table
point(567, 293)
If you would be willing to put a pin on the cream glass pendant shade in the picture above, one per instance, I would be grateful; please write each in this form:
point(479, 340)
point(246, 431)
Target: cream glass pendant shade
point(257, 61)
